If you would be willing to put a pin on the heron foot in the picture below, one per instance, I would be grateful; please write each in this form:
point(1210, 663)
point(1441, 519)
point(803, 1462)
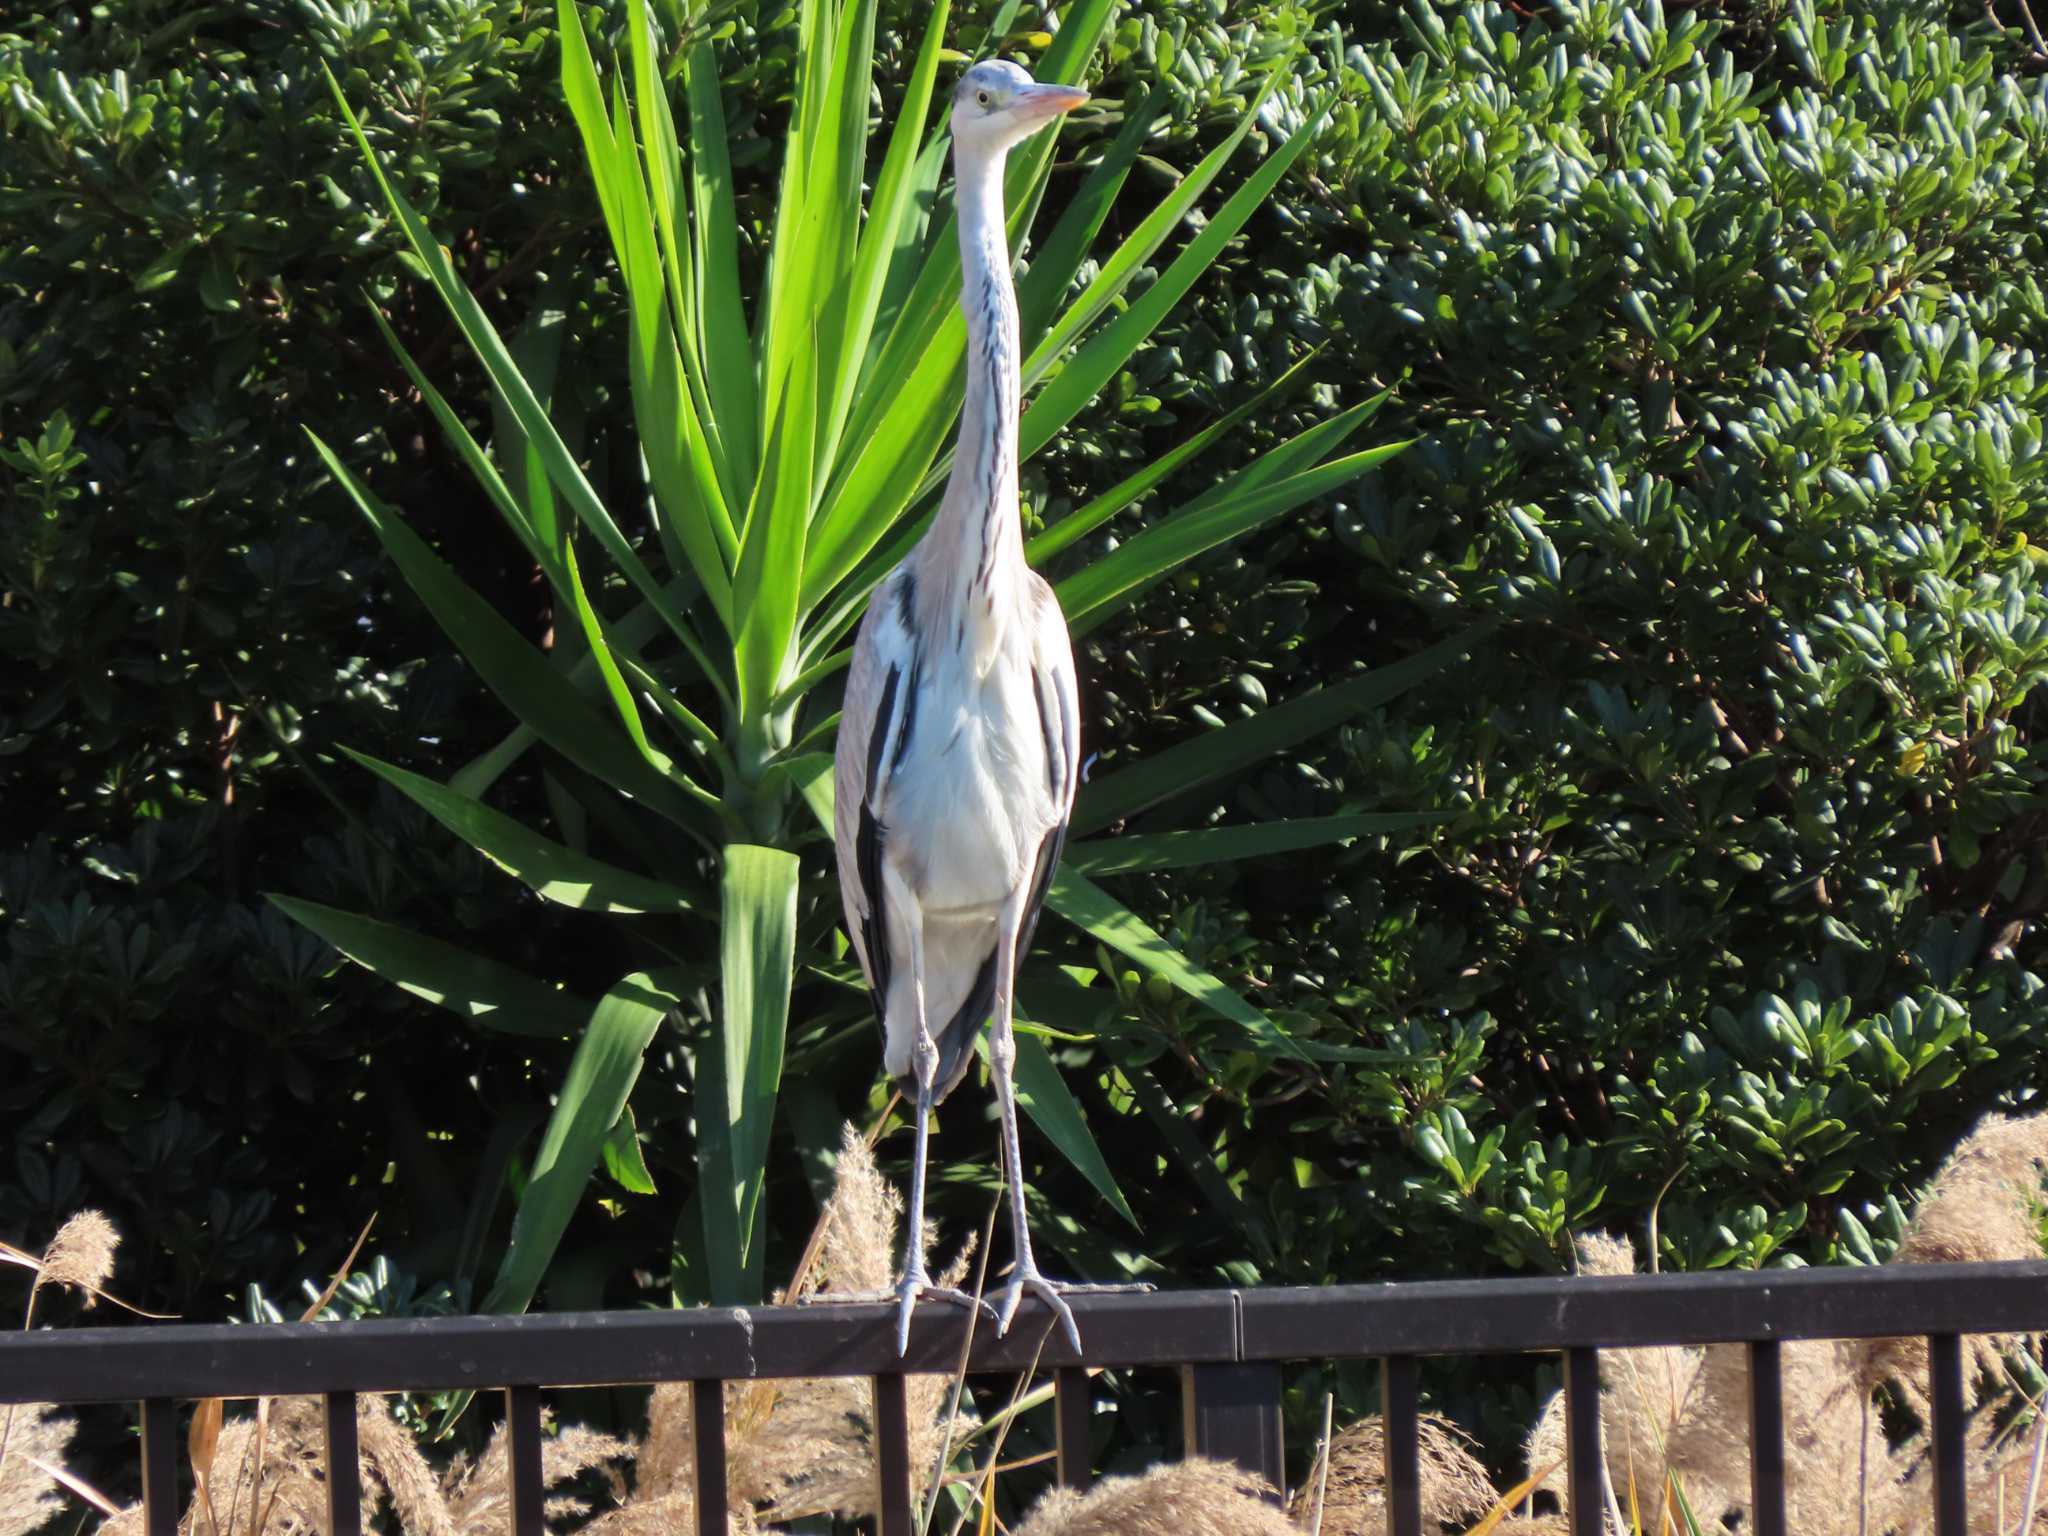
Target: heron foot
point(917, 1286)
point(1054, 1294)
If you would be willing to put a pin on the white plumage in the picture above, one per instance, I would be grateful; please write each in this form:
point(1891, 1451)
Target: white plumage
point(959, 743)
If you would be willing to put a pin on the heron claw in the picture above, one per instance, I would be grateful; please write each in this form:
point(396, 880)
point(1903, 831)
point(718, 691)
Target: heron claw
point(1054, 1294)
point(917, 1286)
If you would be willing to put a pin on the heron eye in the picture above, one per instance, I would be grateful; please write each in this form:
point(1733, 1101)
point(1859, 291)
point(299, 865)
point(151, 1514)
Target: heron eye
point(982, 97)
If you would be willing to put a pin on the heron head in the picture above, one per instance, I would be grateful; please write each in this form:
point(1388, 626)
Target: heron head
point(997, 104)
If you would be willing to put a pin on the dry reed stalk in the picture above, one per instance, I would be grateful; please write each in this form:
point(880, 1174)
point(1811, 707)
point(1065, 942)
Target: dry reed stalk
point(28, 1494)
point(1186, 1498)
point(1455, 1487)
point(2003, 1471)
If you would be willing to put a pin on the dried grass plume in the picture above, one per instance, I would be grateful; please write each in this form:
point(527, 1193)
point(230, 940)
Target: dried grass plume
point(1983, 1206)
point(1187, 1498)
point(81, 1255)
point(28, 1494)
point(1455, 1487)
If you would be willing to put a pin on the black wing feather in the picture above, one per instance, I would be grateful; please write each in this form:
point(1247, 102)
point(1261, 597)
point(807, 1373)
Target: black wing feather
point(874, 935)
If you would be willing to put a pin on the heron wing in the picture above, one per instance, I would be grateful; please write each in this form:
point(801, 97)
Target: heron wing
point(1059, 721)
point(880, 691)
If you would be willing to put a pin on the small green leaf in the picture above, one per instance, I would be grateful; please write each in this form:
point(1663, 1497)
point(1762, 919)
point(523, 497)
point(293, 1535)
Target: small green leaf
point(622, 1158)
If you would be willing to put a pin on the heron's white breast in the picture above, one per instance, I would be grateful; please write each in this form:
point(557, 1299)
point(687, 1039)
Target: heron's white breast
point(969, 802)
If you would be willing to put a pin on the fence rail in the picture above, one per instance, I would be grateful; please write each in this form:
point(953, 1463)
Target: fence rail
point(1228, 1347)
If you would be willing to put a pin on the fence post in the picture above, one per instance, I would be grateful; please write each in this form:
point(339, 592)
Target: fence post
point(522, 1460)
point(892, 1455)
point(1951, 1470)
point(1401, 1442)
point(344, 1490)
point(1232, 1413)
point(1071, 1404)
point(1583, 1455)
point(707, 1441)
point(1766, 1438)
point(160, 1509)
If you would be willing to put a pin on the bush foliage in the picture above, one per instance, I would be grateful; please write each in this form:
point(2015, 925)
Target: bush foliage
point(1718, 331)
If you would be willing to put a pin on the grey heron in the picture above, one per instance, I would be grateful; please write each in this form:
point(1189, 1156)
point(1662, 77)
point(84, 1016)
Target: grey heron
point(959, 743)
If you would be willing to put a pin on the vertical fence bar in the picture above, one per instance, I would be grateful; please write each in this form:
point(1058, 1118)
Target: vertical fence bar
point(707, 1439)
point(344, 1492)
point(160, 1509)
point(1766, 1438)
point(1582, 1451)
point(1072, 1402)
point(1232, 1413)
point(522, 1433)
point(892, 1455)
point(1951, 1474)
point(1401, 1436)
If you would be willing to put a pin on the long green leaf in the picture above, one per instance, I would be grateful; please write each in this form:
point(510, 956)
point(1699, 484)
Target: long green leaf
point(636, 627)
point(1095, 911)
point(537, 349)
point(506, 377)
point(533, 521)
point(768, 585)
point(517, 673)
point(729, 356)
point(839, 164)
point(884, 234)
point(682, 465)
point(585, 95)
point(1085, 520)
point(491, 994)
point(592, 1097)
point(757, 964)
point(1101, 915)
point(558, 873)
point(516, 511)
point(663, 159)
point(1113, 582)
point(1115, 796)
point(1212, 845)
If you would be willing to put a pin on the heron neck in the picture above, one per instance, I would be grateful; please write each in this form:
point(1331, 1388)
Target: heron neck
point(976, 537)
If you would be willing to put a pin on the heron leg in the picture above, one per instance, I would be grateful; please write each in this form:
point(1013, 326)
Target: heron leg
point(924, 1064)
point(1025, 1275)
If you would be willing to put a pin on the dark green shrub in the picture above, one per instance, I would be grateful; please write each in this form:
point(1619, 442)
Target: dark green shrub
point(1721, 341)
point(190, 621)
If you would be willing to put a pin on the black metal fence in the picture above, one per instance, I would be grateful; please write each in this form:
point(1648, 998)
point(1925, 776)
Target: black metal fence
point(1228, 1347)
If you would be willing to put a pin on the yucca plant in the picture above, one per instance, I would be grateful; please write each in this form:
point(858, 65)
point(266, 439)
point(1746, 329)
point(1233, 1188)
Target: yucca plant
point(788, 464)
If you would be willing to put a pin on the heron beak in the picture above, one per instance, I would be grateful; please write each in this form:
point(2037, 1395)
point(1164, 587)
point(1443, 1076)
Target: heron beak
point(1042, 103)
